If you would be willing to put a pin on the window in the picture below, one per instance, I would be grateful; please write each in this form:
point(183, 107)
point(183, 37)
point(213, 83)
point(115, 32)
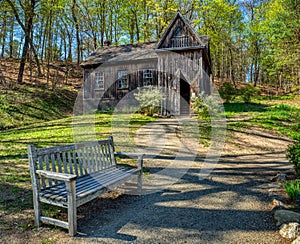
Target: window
point(99, 81)
point(147, 77)
point(178, 32)
point(122, 79)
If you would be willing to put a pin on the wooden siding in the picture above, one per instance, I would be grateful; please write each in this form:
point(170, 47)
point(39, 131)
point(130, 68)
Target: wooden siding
point(111, 93)
point(188, 65)
point(174, 67)
point(185, 39)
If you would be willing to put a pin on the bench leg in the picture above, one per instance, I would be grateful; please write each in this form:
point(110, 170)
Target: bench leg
point(72, 210)
point(37, 209)
point(139, 178)
point(139, 183)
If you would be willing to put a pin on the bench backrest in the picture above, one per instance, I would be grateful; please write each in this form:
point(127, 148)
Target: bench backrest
point(80, 159)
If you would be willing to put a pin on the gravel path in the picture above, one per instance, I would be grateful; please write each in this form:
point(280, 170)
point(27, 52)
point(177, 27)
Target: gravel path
point(230, 206)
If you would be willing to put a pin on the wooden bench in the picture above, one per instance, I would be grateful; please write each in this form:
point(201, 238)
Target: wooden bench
point(72, 175)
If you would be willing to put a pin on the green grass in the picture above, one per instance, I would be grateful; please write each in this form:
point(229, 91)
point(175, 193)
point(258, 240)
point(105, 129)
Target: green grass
point(290, 97)
point(293, 189)
point(24, 104)
point(263, 112)
point(232, 109)
point(282, 118)
point(14, 169)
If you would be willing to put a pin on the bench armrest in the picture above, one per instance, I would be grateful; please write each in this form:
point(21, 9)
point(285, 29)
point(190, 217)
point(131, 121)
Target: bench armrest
point(139, 156)
point(56, 175)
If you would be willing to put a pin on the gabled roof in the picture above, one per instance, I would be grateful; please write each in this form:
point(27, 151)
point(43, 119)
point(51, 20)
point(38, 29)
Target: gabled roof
point(201, 41)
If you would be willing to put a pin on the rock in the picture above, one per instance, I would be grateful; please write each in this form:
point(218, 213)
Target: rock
point(297, 240)
point(277, 202)
point(290, 230)
point(277, 205)
point(285, 217)
point(279, 178)
point(274, 209)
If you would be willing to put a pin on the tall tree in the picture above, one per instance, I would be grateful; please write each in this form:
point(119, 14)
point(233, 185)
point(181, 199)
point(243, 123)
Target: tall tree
point(28, 10)
point(76, 23)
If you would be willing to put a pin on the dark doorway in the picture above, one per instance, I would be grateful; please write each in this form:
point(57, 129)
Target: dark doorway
point(185, 94)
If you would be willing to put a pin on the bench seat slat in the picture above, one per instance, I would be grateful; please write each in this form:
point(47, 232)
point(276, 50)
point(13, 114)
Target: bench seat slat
point(83, 180)
point(88, 184)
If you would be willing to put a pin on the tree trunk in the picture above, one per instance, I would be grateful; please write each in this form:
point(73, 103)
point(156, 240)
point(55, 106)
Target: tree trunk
point(4, 30)
point(74, 6)
point(23, 59)
point(11, 37)
point(27, 28)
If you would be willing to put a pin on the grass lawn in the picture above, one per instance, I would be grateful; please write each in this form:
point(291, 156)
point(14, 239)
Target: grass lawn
point(281, 116)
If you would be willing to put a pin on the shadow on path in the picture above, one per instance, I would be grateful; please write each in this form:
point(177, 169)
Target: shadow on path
point(231, 205)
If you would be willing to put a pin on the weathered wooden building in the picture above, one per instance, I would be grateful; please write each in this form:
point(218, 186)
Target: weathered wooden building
point(179, 64)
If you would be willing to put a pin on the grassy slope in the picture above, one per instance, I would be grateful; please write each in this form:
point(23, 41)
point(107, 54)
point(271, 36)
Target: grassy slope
point(280, 115)
point(24, 104)
point(33, 101)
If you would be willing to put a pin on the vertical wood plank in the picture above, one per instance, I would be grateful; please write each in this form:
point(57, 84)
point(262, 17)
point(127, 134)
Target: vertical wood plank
point(106, 156)
point(40, 159)
point(59, 163)
point(46, 160)
point(35, 184)
point(80, 161)
point(53, 165)
point(103, 157)
point(84, 163)
point(111, 154)
point(72, 211)
point(90, 159)
point(99, 158)
point(65, 163)
point(85, 160)
point(140, 175)
point(75, 162)
point(93, 158)
point(70, 163)
point(96, 157)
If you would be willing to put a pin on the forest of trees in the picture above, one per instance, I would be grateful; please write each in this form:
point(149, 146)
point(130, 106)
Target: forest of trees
point(251, 40)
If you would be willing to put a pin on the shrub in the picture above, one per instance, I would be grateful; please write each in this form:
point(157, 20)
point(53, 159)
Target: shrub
point(227, 92)
point(200, 107)
point(150, 100)
point(108, 110)
point(292, 189)
point(248, 92)
point(293, 155)
point(205, 106)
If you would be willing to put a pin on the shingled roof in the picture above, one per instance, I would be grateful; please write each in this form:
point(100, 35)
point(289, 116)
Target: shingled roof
point(114, 54)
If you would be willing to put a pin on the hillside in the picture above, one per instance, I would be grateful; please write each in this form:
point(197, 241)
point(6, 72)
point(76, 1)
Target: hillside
point(36, 101)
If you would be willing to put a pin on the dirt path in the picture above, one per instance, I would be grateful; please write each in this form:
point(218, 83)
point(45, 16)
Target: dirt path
point(230, 206)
